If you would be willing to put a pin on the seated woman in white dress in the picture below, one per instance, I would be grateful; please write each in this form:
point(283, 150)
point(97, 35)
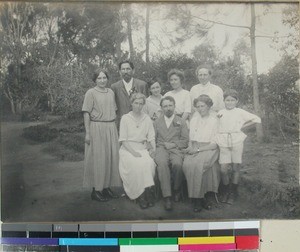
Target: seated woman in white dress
point(181, 96)
point(200, 164)
point(152, 106)
point(137, 168)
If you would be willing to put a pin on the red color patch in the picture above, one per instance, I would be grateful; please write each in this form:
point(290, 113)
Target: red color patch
point(247, 242)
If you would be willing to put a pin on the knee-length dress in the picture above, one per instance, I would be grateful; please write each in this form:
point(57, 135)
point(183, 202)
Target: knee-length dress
point(202, 169)
point(137, 173)
point(101, 158)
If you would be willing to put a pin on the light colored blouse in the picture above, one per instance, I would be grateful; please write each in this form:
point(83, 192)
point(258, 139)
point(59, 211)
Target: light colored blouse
point(230, 125)
point(136, 130)
point(203, 130)
point(152, 108)
point(213, 91)
point(182, 100)
point(100, 105)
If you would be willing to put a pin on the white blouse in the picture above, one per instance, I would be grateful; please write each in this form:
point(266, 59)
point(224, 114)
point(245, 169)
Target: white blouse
point(230, 125)
point(182, 100)
point(203, 130)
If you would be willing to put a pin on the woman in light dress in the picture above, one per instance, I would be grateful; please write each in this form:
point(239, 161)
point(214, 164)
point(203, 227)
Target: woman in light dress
point(137, 168)
point(101, 139)
point(181, 96)
point(152, 106)
point(200, 164)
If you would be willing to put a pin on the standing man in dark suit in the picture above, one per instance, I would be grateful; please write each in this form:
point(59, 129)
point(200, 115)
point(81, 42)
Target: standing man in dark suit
point(124, 88)
point(171, 136)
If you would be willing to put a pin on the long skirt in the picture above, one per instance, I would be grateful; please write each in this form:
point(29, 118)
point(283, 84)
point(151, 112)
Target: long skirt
point(101, 160)
point(202, 172)
point(137, 173)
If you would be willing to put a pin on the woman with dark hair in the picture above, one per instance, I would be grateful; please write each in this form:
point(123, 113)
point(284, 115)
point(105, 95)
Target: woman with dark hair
point(200, 164)
point(182, 97)
point(101, 160)
point(152, 106)
point(137, 168)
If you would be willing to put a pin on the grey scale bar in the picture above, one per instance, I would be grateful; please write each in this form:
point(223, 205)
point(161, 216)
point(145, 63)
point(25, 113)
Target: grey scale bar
point(92, 227)
point(39, 227)
point(118, 227)
point(170, 226)
point(65, 227)
point(145, 227)
point(13, 227)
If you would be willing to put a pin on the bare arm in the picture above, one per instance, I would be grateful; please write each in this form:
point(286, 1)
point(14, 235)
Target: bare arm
point(87, 122)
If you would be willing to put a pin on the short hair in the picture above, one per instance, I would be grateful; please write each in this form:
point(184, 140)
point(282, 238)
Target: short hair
point(97, 72)
point(153, 80)
point(136, 96)
point(203, 98)
point(231, 92)
point(167, 98)
point(126, 61)
point(206, 66)
point(177, 72)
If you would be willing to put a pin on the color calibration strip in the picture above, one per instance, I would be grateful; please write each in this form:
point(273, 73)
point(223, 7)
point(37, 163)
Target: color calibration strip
point(160, 237)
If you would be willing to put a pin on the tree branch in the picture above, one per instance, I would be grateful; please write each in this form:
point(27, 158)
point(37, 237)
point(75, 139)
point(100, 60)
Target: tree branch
point(220, 23)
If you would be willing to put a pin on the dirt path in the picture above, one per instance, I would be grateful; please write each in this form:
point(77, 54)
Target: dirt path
point(37, 187)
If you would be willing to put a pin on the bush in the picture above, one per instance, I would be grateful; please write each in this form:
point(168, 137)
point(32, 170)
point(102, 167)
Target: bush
point(40, 133)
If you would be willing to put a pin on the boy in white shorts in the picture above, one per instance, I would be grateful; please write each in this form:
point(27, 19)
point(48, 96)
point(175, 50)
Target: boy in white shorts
point(230, 139)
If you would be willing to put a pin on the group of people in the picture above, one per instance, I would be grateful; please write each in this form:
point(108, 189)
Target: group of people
point(194, 135)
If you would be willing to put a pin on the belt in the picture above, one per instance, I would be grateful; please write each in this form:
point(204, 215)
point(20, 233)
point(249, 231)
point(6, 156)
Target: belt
point(102, 121)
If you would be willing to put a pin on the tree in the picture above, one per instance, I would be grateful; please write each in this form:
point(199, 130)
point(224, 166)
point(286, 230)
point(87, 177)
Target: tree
point(18, 33)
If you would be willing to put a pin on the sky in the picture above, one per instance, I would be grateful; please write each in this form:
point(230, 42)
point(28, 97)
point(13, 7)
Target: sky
point(269, 22)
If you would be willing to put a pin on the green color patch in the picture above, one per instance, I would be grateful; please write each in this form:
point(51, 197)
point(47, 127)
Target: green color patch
point(148, 241)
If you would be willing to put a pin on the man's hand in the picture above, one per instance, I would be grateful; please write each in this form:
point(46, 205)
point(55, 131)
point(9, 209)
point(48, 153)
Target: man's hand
point(169, 146)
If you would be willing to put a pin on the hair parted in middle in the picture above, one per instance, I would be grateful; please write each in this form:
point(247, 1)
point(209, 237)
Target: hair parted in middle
point(177, 72)
point(126, 61)
point(167, 98)
point(205, 99)
point(205, 66)
point(231, 92)
point(136, 96)
point(97, 72)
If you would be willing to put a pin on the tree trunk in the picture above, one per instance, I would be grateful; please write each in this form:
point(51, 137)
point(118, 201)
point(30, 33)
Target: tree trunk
point(129, 32)
point(12, 106)
point(147, 33)
point(257, 107)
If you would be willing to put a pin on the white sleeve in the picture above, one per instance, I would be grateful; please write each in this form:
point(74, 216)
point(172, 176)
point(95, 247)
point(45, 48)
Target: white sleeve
point(247, 116)
point(188, 103)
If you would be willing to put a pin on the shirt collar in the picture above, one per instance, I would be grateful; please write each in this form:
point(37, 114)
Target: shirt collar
point(128, 83)
point(169, 119)
point(205, 85)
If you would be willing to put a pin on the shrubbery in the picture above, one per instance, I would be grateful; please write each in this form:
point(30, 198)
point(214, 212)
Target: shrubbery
point(40, 133)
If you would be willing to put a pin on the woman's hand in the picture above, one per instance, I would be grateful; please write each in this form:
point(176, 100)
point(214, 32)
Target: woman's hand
point(87, 139)
point(152, 153)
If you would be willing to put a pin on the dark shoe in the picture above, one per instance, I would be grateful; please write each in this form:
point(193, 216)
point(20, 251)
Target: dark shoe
point(168, 204)
point(224, 194)
point(177, 196)
point(108, 193)
point(206, 204)
point(98, 196)
point(142, 201)
point(149, 197)
point(197, 206)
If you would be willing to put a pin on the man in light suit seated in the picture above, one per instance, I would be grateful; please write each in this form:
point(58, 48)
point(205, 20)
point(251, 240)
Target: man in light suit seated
point(171, 136)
